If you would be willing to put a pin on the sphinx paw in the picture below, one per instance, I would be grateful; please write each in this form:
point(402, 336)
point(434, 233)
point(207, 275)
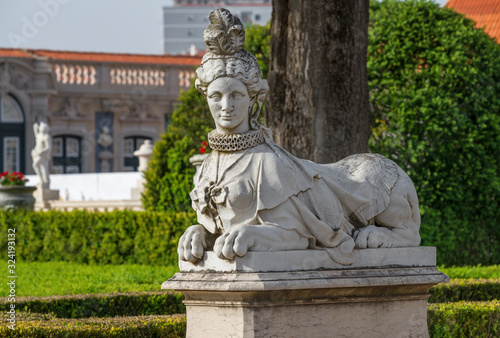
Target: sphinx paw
point(372, 237)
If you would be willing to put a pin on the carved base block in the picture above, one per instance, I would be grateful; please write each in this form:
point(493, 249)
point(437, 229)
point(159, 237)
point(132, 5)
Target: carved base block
point(42, 196)
point(136, 192)
point(359, 302)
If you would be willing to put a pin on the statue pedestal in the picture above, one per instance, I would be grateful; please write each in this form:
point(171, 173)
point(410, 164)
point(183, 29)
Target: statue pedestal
point(136, 193)
point(42, 196)
point(389, 300)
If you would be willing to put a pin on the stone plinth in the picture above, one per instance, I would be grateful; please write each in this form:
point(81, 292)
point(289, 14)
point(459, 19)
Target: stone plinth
point(388, 300)
point(42, 196)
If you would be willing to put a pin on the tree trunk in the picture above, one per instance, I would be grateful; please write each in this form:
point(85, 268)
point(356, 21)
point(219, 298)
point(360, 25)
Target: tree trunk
point(318, 104)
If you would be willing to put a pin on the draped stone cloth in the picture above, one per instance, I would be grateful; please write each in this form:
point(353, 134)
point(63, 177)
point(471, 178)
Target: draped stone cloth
point(265, 184)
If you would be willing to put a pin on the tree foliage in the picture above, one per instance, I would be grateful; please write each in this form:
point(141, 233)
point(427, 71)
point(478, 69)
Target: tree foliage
point(435, 96)
point(169, 178)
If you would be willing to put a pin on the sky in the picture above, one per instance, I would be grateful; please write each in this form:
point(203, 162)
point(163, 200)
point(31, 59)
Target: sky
point(115, 26)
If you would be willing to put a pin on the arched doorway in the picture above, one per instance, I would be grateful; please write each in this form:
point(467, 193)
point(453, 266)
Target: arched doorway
point(12, 138)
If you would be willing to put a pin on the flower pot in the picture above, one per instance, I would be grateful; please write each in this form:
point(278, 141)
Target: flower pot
point(14, 197)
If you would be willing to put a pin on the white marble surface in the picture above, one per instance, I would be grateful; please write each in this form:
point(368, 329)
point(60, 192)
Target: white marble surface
point(303, 260)
point(319, 279)
point(93, 187)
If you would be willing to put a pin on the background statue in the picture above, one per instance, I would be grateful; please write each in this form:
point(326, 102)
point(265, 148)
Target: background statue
point(41, 153)
point(105, 139)
point(252, 195)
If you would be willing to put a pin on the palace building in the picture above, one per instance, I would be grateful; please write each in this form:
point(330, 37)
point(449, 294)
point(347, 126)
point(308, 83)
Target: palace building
point(100, 107)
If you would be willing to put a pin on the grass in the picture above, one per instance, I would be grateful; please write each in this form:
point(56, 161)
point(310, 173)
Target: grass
point(42, 279)
point(62, 278)
point(475, 272)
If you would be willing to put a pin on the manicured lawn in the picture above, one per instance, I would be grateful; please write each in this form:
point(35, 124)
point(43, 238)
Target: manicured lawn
point(475, 272)
point(62, 278)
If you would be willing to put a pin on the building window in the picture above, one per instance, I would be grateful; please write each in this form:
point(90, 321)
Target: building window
point(11, 134)
point(11, 111)
point(246, 17)
point(131, 144)
point(11, 153)
point(66, 155)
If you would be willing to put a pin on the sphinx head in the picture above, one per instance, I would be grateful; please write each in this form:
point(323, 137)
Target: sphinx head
point(227, 59)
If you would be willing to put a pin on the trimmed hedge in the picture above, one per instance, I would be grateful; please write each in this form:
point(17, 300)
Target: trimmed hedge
point(466, 290)
point(167, 303)
point(101, 305)
point(117, 237)
point(464, 319)
point(47, 326)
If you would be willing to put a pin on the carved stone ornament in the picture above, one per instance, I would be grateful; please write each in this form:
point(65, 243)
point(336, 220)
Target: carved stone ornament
point(253, 196)
point(69, 110)
point(129, 110)
point(105, 139)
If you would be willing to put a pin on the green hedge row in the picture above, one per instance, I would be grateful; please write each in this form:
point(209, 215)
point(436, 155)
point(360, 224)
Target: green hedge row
point(47, 326)
point(167, 303)
point(464, 319)
point(479, 290)
point(116, 237)
point(101, 305)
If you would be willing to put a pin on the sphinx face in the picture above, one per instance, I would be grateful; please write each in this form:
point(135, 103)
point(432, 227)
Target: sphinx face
point(229, 104)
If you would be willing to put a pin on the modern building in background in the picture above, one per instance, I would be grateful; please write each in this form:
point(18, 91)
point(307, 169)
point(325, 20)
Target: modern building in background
point(100, 107)
point(185, 23)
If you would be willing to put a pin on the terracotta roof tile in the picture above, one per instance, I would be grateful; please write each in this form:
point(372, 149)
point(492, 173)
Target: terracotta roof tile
point(14, 53)
point(104, 57)
point(486, 13)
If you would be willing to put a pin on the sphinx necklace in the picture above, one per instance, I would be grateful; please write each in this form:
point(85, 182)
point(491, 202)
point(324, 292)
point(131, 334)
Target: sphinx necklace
point(235, 142)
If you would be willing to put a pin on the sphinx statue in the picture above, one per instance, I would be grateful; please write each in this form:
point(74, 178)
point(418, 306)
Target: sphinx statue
point(252, 195)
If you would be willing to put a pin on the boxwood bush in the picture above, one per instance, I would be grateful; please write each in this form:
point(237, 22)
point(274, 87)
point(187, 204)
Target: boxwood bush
point(116, 237)
point(35, 325)
point(101, 305)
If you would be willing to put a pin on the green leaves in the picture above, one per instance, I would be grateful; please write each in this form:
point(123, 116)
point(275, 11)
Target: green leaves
point(118, 237)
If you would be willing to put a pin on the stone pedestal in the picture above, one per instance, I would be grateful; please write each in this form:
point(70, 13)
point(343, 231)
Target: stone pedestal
point(387, 297)
point(42, 196)
point(136, 193)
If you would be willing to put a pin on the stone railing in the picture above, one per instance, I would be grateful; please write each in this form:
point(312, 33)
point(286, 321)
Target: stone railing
point(135, 205)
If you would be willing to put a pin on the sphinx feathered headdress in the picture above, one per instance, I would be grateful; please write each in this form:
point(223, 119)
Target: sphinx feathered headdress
point(225, 35)
point(225, 38)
